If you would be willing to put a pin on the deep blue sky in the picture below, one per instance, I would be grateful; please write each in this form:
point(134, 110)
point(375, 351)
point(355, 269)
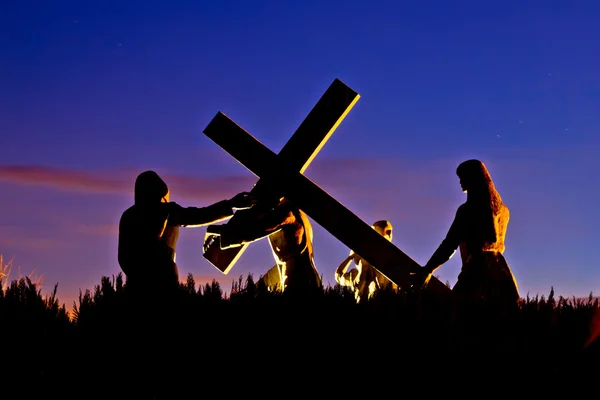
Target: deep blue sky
point(91, 95)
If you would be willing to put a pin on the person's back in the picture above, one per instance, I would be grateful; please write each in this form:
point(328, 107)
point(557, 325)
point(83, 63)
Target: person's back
point(290, 237)
point(292, 248)
point(475, 237)
point(485, 273)
point(365, 279)
point(385, 229)
point(146, 260)
point(148, 234)
point(367, 283)
point(145, 253)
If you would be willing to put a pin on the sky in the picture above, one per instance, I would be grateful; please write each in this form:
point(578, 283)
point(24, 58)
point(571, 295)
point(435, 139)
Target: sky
point(93, 93)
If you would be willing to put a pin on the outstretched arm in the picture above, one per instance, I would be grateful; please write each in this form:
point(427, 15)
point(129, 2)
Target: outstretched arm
point(450, 243)
point(252, 227)
point(198, 216)
point(217, 212)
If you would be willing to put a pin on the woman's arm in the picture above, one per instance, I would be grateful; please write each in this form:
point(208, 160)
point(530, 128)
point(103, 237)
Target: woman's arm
point(450, 243)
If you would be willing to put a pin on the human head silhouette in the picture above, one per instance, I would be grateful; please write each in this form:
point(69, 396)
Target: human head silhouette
point(150, 188)
point(477, 182)
point(474, 176)
point(384, 228)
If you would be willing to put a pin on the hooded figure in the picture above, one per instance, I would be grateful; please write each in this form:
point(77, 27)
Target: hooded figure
point(148, 231)
point(479, 230)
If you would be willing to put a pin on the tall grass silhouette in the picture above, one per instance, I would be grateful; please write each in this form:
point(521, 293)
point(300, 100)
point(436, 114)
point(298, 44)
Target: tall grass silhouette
point(207, 330)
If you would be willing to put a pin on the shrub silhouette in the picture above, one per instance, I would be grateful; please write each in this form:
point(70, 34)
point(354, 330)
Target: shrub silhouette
point(251, 325)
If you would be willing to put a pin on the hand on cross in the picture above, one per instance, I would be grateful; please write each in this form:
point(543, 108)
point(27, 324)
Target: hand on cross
point(212, 232)
point(243, 200)
point(423, 276)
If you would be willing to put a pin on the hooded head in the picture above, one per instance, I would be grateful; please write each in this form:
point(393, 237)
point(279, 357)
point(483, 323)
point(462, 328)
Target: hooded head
point(150, 189)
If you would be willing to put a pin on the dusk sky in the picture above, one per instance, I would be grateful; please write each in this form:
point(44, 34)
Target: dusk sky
point(93, 93)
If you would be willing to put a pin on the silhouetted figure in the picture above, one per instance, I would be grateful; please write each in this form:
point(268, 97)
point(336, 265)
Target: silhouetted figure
point(479, 230)
point(364, 279)
point(290, 236)
point(148, 233)
point(272, 280)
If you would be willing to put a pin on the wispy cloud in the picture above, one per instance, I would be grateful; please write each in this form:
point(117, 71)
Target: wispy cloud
point(383, 183)
point(95, 230)
point(379, 188)
point(26, 240)
point(65, 179)
point(120, 181)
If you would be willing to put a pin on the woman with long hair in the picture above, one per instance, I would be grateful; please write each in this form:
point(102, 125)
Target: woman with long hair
point(479, 230)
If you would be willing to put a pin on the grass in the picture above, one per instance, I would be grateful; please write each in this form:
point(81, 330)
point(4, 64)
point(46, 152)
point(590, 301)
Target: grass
point(208, 331)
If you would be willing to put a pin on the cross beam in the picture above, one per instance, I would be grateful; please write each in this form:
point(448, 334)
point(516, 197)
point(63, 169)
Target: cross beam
point(316, 203)
point(296, 155)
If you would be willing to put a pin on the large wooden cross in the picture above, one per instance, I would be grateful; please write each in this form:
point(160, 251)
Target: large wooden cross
point(296, 155)
point(281, 175)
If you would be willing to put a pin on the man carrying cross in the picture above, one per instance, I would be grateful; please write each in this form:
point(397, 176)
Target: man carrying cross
point(290, 236)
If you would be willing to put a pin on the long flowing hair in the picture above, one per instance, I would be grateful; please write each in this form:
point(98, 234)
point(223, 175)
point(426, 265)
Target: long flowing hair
point(482, 197)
